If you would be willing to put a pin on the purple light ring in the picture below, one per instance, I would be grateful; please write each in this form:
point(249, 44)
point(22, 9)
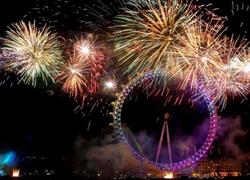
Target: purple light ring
point(174, 166)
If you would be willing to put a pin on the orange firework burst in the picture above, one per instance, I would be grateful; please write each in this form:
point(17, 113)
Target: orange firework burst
point(233, 78)
point(155, 35)
point(74, 75)
point(217, 65)
point(149, 32)
point(79, 74)
point(198, 56)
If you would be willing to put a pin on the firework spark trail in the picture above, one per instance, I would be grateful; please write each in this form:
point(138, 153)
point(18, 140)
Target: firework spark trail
point(149, 35)
point(232, 80)
point(74, 76)
point(91, 53)
point(148, 32)
point(213, 63)
point(198, 54)
point(80, 73)
point(197, 62)
point(37, 50)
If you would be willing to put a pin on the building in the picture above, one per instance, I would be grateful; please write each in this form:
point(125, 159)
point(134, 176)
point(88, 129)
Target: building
point(245, 167)
point(217, 168)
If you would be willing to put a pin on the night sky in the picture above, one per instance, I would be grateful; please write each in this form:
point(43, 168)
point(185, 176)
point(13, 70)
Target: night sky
point(41, 120)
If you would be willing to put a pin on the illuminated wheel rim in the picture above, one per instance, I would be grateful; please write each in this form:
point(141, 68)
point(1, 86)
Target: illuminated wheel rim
point(174, 166)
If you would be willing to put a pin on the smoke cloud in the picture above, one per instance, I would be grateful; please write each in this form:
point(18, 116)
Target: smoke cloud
point(91, 157)
point(232, 137)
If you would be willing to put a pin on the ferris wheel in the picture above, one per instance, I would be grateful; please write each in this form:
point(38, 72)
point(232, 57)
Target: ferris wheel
point(164, 166)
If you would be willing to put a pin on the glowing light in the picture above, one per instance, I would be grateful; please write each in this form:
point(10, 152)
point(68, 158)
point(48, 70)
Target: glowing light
point(8, 157)
point(85, 49)
point(225, 67)
point(15, 172)
point(204, 58)
point(110, 84)
point(236, 59)
point(247, 68)
point(73, 71)
point(169, 176)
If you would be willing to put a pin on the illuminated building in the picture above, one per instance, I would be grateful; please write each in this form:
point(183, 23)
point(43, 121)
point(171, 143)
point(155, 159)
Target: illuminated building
point(217, 168)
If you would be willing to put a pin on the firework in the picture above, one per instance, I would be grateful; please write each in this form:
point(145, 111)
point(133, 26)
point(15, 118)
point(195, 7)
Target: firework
point(198, 60)
point(224, 73)
point(74, 75)
point(79, 74)
point(217, 65)
point(37, 52)
point(15, 172)
point(149, 32)
point(88, 49)
point(233, 80)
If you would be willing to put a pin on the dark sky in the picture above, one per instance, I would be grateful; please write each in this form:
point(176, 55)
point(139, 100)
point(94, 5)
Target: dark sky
point(35, 122)
point(13, 11)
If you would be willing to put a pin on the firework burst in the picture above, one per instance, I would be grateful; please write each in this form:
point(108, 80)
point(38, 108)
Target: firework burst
point(79, 74)
point(198, 54)
point(88, 49)
point(149, 32)
point(74, 75)
point(218, 65)
point(233, 79)
point(37, 52)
